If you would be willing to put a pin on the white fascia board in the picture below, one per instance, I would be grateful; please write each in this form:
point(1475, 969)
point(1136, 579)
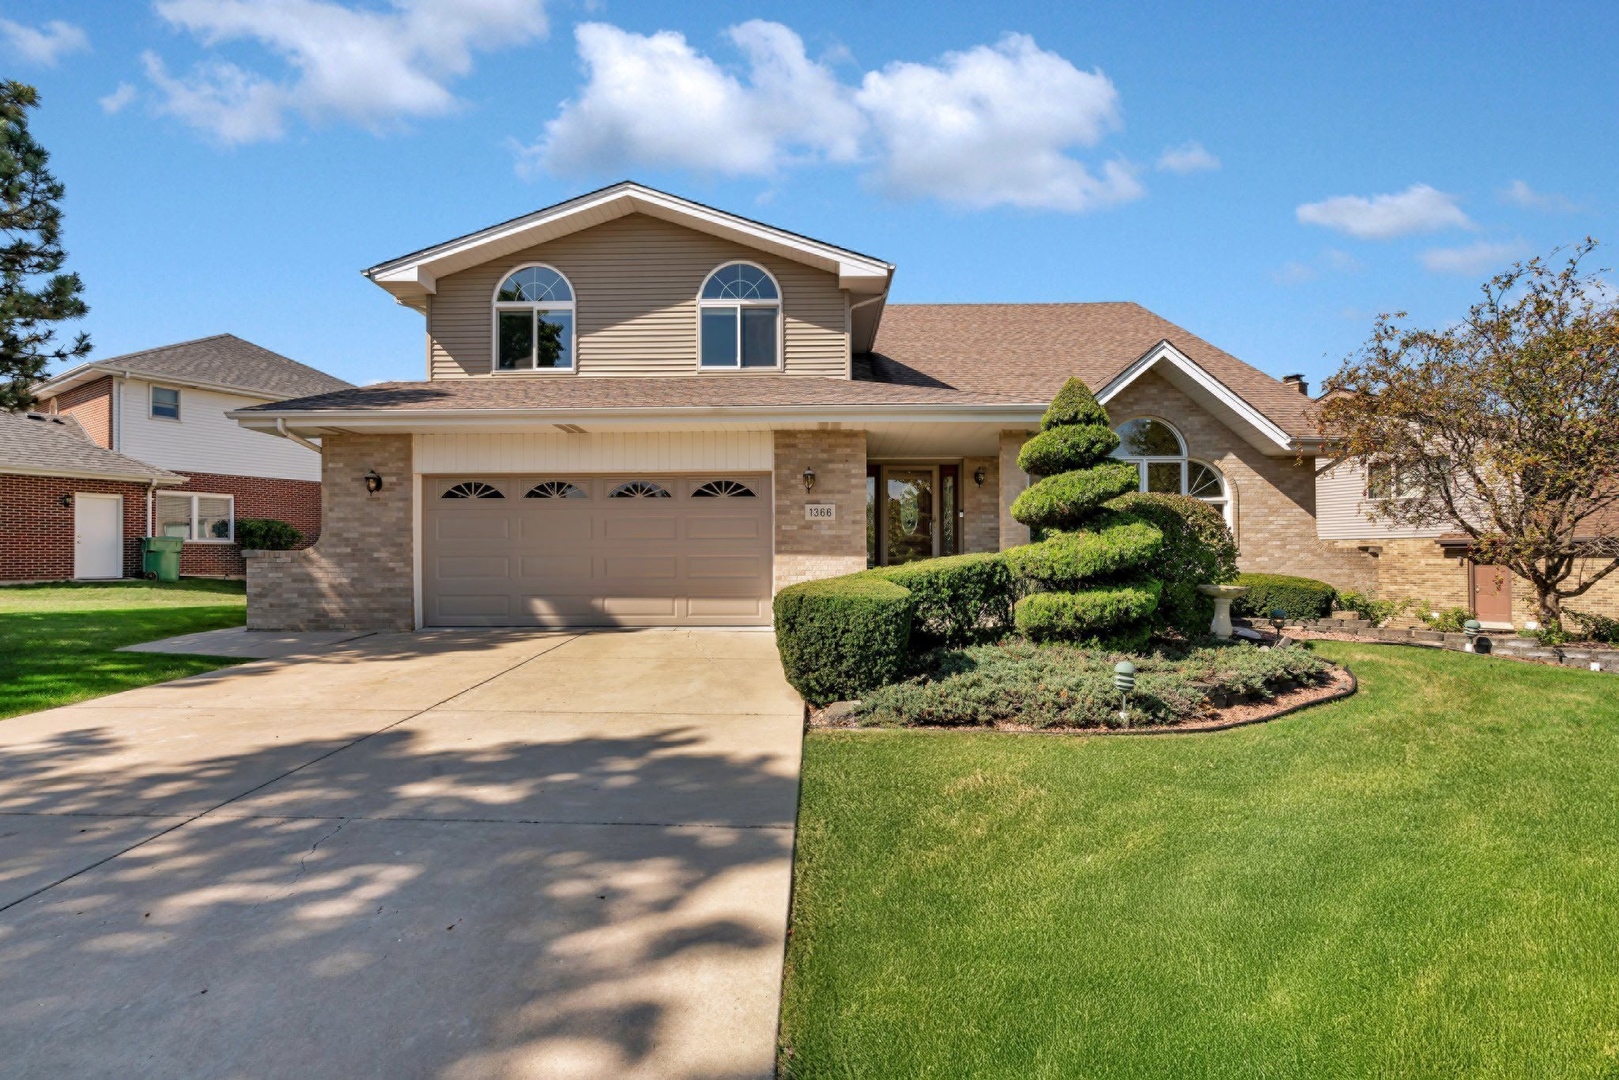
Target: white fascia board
point(859, 273)
point(165, 480)
point(68, 380)
point(849, 416)
point(1166, 353)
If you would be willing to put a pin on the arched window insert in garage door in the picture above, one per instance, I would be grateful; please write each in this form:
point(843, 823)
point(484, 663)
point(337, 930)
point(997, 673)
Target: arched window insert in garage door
point(639, 489)
point(472, 489)
point(555, 489)
point(723, 489)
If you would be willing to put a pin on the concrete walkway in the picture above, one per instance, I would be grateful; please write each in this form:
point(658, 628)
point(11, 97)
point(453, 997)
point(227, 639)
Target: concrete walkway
point(448, 854)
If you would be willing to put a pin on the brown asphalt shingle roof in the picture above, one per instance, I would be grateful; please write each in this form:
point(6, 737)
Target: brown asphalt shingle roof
point(50, 445)
point(227, 360)
point(586, 392)
point(926, 354)
point(1030, 350)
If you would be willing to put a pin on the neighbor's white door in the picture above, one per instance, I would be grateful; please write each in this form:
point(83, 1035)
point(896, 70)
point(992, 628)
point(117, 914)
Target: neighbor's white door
point(98, 536)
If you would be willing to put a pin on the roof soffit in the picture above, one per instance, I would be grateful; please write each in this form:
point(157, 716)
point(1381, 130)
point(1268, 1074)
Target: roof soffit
point(1176, 368)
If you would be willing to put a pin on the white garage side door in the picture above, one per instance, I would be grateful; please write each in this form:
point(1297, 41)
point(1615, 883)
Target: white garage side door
point(627, 550)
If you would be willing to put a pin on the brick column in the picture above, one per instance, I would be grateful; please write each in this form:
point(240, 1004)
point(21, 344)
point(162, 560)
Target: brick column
point(981, 504)
point(1012, 480)
point(809, 549)
point(359, 575)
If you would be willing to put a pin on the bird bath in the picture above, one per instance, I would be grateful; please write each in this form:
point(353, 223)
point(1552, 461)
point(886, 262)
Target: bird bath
point(1222, 595)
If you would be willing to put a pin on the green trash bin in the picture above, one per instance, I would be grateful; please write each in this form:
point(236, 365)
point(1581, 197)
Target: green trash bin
point(160, 557)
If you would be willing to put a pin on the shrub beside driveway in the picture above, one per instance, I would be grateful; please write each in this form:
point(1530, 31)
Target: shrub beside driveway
point(58, 643)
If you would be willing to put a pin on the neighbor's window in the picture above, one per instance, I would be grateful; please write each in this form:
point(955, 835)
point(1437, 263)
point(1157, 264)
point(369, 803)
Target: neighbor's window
point(1159, 452)
point(534, 321)
point(739, 318)
point(165, 403)
point(210, 518)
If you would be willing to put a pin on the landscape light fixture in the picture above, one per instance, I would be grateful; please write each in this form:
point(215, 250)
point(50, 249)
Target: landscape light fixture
point(1472, 628)
point(809, 480)
point(373, 482)
point(1278, 618)
point(1124, 680)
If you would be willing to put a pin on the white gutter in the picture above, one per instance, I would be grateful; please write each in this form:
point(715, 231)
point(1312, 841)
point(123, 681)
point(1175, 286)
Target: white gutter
point(85, 474)
point(281, 430)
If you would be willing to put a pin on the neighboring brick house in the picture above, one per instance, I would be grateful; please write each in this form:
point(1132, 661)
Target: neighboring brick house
point(167, 406)
point(640, 410)
point(68, 507)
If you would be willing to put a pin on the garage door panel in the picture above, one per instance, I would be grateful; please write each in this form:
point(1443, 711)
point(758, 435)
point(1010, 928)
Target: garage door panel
point(555, 566)
point(599, 561)
point(724, 567)
point(472, 526)
point(724, 528)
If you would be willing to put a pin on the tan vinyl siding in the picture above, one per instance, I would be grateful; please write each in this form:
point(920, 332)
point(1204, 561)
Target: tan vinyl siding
point(1342, 510)
point(635, 282)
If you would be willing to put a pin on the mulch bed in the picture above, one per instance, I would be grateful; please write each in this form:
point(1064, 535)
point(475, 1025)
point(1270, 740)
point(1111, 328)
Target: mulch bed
point(1340, 684)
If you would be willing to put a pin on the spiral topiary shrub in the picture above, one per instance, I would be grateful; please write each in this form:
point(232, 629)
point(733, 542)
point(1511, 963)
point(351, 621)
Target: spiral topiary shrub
point(1198, 550)
point(1088, 577)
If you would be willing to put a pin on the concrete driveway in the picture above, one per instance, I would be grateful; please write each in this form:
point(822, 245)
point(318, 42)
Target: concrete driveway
point(448, 854)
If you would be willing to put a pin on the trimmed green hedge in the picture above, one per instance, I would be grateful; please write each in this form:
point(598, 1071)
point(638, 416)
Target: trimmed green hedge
point(1197, 550)
point(1066, 500)
point(1300, 597)
point(266, 534)
point(1065, 449)
point(957, 599)
point(839, 637)
point(1074, 406)
point(1112, 616)
point(1064, 561)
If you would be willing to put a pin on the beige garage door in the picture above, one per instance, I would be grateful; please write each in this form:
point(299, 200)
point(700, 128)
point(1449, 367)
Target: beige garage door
point(596, 550)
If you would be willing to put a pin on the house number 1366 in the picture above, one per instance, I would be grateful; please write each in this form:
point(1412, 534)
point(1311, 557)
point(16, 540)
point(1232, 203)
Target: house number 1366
point(820, 511)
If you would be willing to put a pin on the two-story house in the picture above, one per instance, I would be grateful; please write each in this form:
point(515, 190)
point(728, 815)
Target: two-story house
point(167, 407)
point(640, 410)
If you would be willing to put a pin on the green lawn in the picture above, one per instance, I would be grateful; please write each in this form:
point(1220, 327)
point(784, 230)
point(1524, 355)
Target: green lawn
point(57, 641)
point(1422, 880)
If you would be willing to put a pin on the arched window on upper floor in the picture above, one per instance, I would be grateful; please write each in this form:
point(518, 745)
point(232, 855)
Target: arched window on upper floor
point(739, 318)
point(534, 326)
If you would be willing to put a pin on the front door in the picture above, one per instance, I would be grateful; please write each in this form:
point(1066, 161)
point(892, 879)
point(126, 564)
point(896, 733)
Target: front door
point(1492, 593)
point(98, 536)
point(910, 520)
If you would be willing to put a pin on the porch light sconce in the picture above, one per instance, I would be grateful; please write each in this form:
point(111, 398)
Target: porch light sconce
point(373, 482)
point(809, 480)
point(66, 501)
point(978, 476)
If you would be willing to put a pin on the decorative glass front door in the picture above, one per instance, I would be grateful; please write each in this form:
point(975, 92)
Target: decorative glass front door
point(909, 521)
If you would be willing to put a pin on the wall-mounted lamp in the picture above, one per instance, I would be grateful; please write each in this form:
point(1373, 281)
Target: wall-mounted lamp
point(66, 501)
point(978, 476)
point(373, 482)
point(809, 480)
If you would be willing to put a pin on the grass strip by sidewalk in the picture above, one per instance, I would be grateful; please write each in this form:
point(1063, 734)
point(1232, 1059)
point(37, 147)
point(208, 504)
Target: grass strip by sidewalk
point(1422, 880)
point(58, 642)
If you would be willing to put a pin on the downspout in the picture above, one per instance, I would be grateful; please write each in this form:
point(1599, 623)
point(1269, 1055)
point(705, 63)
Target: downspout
point(151, 512)
point(287, 433)
point(848, 318)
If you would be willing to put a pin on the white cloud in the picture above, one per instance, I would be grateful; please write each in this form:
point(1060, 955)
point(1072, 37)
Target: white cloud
point(118, 100)
point(992, 126)
point(1519, 193)
point(1419, 208)
point(653, 100)
point(45, 45)
point(989, 126)
point(1472, 258)
point(370, 67)
point(1187, 158)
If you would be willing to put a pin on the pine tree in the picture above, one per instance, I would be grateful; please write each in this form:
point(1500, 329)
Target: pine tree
point(1088, 568)
point(31, 221)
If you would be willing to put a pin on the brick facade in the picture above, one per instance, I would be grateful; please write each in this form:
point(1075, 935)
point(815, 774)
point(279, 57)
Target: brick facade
point(360, 574)
point(1011, 481)
point(806, 550)
point(297, 502)
point(1422, 570)
point(36, 530)
point(981, 505)
point(1273, 498)
point(91, 406)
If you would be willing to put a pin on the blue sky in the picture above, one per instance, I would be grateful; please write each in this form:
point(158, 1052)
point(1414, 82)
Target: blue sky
point(1270, 180)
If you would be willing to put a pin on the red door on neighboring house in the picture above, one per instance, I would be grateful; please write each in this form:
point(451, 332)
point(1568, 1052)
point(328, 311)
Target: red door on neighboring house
point(1492, 593)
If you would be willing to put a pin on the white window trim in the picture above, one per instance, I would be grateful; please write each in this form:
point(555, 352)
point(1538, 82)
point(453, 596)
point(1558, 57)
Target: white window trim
point(779, 303)
point(194, 496)
point(151, 404)
point(496, 306)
